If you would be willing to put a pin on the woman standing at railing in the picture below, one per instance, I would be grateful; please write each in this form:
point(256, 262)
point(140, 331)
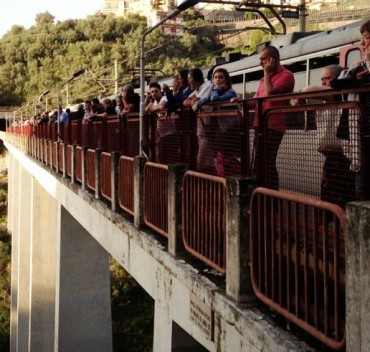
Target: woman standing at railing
point(225, 151)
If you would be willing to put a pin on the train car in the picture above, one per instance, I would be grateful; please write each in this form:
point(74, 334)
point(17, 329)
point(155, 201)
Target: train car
point(304, 56)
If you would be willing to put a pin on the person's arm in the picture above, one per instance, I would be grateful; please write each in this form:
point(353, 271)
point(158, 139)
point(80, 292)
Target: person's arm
point(219, 94)
point(190, 100)
point(160, 106)
point(268, 71)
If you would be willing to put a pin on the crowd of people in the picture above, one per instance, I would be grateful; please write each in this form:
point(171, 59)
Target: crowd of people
point(190, 90)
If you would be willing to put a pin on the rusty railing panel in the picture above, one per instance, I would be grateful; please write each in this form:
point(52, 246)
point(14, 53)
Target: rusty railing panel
point(297, 261)
point(156, 197)
point(90, 165)
point(69, 160)
point(106, 181)
point(126, 184)
point(78, 164)
point(60, 156)
point(204, 218)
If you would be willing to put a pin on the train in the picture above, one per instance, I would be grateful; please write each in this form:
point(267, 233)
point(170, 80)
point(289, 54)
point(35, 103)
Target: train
point(303, 53)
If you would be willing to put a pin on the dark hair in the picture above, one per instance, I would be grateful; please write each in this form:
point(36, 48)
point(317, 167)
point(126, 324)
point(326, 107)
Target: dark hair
point(273, 52)
point(226, 74)
point(197, 75)
point(155, 85)
point(184, 74)
point(210, 73)
point(365, 27)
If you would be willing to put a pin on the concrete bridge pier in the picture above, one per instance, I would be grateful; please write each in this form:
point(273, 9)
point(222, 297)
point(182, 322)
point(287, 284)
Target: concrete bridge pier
point(60, 274)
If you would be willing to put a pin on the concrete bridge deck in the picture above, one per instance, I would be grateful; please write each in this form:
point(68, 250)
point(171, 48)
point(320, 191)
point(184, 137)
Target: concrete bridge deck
point(62, 237)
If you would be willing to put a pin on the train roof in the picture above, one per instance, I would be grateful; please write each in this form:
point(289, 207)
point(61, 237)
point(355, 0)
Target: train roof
point(311, 43)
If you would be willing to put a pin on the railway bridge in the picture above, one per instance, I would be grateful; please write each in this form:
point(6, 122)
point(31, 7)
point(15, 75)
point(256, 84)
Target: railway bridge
point(74, 201)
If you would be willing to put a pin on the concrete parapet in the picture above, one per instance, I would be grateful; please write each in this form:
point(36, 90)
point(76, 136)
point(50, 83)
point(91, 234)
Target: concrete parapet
point(358, 277)
point(114, 167)
point(84, 167)
point(97, 171)
point(139, 164)
point(239, 192)
point(175, 176)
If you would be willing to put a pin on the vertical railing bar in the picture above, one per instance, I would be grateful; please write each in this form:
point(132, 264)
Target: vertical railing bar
point(336, 254)
point(274, 229)
point(288, 258)
point(306, 263)
point(297, 259)
point(281, 253)
point(325, 265)
point(315, 273)
point(264, 244)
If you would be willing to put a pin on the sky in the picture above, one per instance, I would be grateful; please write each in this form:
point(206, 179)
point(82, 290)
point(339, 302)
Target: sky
point(23, 12)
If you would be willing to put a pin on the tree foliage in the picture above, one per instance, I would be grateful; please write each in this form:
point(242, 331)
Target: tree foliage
point(4, 268)
point(132, 313)
point(45, 55)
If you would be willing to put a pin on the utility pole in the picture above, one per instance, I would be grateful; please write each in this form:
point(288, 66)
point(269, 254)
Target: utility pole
point(302, 16)
point(115, 76)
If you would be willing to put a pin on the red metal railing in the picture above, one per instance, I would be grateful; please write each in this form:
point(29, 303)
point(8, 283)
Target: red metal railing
point(204, 218)
point(78, 164)
point(69, 160)
point(60, 156)
point(126, 184)
point(54, 150)
point(303, 235)
point(297, 259)
point(90, 166)
point(106, 181)
point(156, 197)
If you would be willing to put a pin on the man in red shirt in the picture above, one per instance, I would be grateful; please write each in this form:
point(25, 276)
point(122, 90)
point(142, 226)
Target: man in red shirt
point(276, 80)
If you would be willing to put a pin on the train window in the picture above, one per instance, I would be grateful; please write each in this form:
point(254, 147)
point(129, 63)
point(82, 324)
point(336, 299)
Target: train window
point(321, 62)
point(300, 81)
point(237, 79)
point(254, 76)
point(315, 77)
point(352, 57)
point(295, 67)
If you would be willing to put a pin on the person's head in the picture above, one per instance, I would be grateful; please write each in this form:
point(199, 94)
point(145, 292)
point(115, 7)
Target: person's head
point(221, 77)
point(365, 32)
point(127, 89)
point(268, 54)
point(210, 73)
point(195, 78)
point(183, 78)
point(330, 73)
point(175, 84)
point(155, 90)
point(88, 105)
point(107, 103)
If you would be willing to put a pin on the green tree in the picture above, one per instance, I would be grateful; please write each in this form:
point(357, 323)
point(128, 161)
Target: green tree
point(5, 249)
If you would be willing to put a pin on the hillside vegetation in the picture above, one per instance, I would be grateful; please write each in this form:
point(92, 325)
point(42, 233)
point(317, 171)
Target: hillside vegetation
point(40, 58)
point(5, 250)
